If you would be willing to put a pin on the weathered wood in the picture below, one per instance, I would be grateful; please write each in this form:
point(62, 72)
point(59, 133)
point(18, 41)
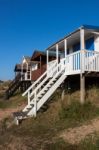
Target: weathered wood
point(82, 88)
point(63, 95)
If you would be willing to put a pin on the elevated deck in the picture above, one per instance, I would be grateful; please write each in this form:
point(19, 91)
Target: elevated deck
point(82, 61)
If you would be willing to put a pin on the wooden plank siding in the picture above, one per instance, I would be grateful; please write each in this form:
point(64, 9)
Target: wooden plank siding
point(37, 73)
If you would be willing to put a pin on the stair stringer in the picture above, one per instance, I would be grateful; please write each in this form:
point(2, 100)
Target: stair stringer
point(13, 86)
point(41, 102)
point(28, 106)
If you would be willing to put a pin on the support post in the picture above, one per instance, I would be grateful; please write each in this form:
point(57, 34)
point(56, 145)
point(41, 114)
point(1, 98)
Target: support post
point(27, 72)
point(57, 52)
point(35, 105)
point(22, 71)
point(57, 55)
point(82, 39)
point(65, 47)
point(47, 59)
point(30, 73)
point(16, 121)
point(82, 88)
point(82, 76)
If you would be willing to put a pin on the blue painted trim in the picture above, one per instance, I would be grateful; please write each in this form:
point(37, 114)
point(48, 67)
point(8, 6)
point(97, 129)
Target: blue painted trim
point(92, 27)
point(76, 47)
point(89, 44)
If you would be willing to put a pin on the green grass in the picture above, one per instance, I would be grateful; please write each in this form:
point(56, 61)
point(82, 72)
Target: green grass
point(13, 102)
point(42, 132)
point(78, 113)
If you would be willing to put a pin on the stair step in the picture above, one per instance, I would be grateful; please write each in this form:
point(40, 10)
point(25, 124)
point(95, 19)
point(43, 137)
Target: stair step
point(49, 86)
point(46, 90)
point(40, 96)
point(20, 114)
point(43, 93)
point(28, 109)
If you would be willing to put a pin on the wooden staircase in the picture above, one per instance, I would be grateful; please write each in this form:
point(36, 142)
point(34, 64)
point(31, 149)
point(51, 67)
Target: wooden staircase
point(40, 92)
point(14, 85)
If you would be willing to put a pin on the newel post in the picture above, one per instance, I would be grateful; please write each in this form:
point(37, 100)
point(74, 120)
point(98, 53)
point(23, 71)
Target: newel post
point(82, 76)
point(35, 104)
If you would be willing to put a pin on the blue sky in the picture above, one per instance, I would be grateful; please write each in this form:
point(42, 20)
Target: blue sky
point(26, 25)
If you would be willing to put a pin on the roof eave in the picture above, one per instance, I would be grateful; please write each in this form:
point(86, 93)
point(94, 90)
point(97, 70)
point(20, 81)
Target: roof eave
point(86, 27)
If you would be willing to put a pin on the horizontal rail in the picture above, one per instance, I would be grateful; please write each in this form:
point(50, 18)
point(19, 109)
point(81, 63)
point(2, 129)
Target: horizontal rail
point(91, 61)
point(80, 61)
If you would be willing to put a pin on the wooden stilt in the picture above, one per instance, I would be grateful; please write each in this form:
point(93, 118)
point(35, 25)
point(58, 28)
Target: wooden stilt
point(82, 88)
point(82, 76)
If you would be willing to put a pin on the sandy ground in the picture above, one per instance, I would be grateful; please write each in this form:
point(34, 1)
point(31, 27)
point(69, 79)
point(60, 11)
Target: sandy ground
point(9, 112)
point(75, 135)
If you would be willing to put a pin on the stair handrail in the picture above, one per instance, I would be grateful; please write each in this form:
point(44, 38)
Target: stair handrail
point(34, 93)
point(14, 81)
point(50, 68)
point(38, 80)
point(16, 78)
point(57, 69)
point(63, 69)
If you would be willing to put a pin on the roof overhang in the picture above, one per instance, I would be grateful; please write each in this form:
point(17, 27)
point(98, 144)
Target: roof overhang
point(74, 37)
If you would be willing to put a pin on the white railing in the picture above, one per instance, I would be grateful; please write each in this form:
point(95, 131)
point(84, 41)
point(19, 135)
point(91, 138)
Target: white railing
point(91, 61)
point(51, 63)
point(41, 88)
point(33, 96)
point(35, 89)
point(50, 69)
point(40, 80)
point(81, 61)
point(72, 63)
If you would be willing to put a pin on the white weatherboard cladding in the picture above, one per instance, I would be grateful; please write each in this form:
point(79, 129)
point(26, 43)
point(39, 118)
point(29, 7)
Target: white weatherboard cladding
point(24, 61)
point(96, 43)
